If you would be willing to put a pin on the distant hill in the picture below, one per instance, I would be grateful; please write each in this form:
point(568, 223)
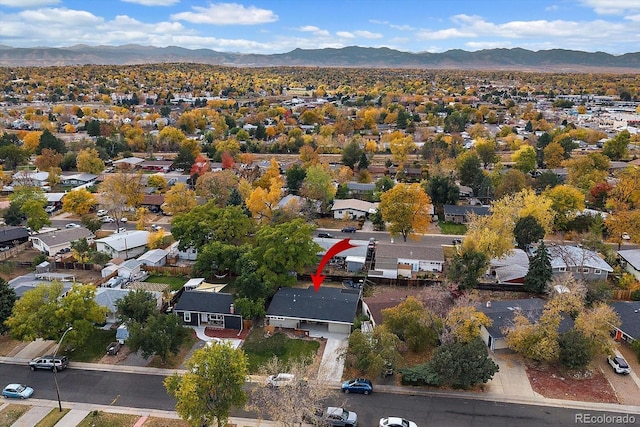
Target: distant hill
point(352, 56)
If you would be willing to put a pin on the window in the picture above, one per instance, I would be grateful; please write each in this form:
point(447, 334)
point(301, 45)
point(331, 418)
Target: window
point(597, 271)
point(562, 269)
point(584, 270)
point(187, 316)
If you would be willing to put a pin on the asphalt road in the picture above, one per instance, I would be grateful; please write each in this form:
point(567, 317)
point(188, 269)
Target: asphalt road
point(147, 391)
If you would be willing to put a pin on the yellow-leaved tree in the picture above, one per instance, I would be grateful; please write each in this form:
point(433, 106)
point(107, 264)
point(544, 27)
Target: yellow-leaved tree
point(262, 203)
point(89, 161)
point(78, 201)
point(407, 209)
point(179, 199)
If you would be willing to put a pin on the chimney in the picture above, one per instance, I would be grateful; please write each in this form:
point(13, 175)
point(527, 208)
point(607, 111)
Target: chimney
point(231, 309)
point(488, 304)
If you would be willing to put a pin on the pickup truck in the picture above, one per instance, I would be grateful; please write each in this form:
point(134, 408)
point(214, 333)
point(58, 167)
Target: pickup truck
point(113, 348)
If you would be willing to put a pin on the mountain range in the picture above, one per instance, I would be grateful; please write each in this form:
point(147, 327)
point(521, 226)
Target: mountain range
point(557, 60)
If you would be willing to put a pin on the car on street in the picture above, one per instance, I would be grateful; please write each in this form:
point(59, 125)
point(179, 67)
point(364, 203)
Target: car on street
point(50, 209)
point(619, 365)
point(358, 385)
point(280, 380)
point(349, 229)
point(396, 422)
point(102, 212)
point(121, 230)
point(155, 227)
point(49, 362)
point(123, 219)
point(339, 417)
point(108, 219)
point(19, 391)
point(72, 225)
point(325, 235)
point(625, 236)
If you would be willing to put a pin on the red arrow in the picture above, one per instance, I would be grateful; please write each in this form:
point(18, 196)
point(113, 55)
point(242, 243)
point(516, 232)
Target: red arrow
point(342, 245)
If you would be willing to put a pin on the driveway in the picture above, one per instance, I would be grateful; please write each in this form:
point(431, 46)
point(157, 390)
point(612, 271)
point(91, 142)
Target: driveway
point(627, 387)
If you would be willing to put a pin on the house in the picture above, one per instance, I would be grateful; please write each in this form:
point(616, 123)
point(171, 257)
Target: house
point(152, 202)
point(408, 259)
point(332, 309)
point(53, 242)
point(128, 163)
point(78, 179)
point(109, 297)
point(583, 263)
point(629, 314)
point(511, 268)
point(157, 165)
point(358, 188)
point(31, 179)
point(352, 208)
point(129, 244)
point(212, 309)
point(130, 269)
point(11, 236)
point(502, 313)
point(630, 261)
point(461, 214)
point(353, 258)
point(154, 257)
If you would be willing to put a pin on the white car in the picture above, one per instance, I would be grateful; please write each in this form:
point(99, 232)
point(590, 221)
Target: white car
point(124, 220)
point(282, 379)
point(625, 236)
point(121, 230)
point(72, 225)
point(108, 219)
point(396, 422)
point(619, 364)
point(102, 212)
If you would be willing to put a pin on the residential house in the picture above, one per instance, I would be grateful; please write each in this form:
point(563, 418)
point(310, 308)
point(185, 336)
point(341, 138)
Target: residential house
point(502, 314)
point(583, 263)
point(109, 297)
point(127, 245)
point(154, 257)
point(128, 163)
point(510, 268)
point(353, 259)
point(31, 179)
point(360, 188)
point(401, 260)
point(12, 236)
point(461, 214)
point(157, 165)
point(131, 269)
point(630, 261)
point(212, 309)
point(54, 199)
point(152, 202)
point(78, 179)
point(352, 208)
point(53, 242)
point(629, 314)
point(330, 309)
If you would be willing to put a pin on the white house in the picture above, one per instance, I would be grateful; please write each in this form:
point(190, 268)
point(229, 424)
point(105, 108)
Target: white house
point(154, 257)
point(54, 241)
point(130, 269)
point(631, 261)
point(352, 208)
point(127, 245)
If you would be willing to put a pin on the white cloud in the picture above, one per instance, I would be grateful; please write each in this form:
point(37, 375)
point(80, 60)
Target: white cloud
point(634, 18)
point(394, 26)
point(345, 34)
point(26, 4)
point(552, 8)
point(449, 33)
point(489, 45)
point(367, 34)
point(611, 7)
point(313, 29)
point(152, 2)
point(226, 14)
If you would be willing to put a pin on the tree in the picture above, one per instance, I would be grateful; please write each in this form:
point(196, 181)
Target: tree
point(486, 150)
point(217, 186)
point(262, 202)
point(218, 257)
point(464, 321)
point(157, 181)
point(540, 272)
point(617, 148)
point(91, 223)
point(7, 300)
point(211, 386)
point(351, 154)
point(48, 140)
point(373, 352)
point(184, 159)
point(566, 201)
point(161, 334)
point(406, 208)
point(36, 215)
point(78, 201)
point(401, 145)
point(574, 351)
point(44, 313)
point(469, 170)
point(318, 185)
point(467, 267)
point(89, 161)
point(584, 172)
point(48, 159)
point(137, 306)
point(525, 159)
point(442, 190)
point(527, 230)
point(13, 156)
point(120, 192)
point(463, 364)
point(13, 215)
point(595, 324)
point(553, 155)
point(412, 323)
point(535, 340)
point(513, 181)
point(179, 199)
point(295, 176)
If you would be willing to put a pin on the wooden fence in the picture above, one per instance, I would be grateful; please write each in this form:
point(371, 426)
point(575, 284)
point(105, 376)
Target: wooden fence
point(169, 270)
point(15, 250)
point(621, 294)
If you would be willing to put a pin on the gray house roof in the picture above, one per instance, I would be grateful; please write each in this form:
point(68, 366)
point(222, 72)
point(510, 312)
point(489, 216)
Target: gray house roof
point(574, 256)
point(632, 256)
point(629, 313)
point(8, 234)
point(419, 253)
point(465, 210)
point(65, 235)
point(154, 255)
point(327, 305)
point(108, 297)
point(127, 240)
point(205, 302)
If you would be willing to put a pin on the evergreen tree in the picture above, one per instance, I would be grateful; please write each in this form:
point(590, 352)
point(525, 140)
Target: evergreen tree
point(527, 230)
point(540, 272)
point(7, 299)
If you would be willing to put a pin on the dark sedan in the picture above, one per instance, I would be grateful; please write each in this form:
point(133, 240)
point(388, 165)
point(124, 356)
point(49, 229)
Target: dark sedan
point(348, 229)
point(358, 385)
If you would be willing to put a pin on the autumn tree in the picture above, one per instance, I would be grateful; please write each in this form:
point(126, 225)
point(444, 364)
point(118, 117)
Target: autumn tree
point(400, 145)
point(318, 185)
point(553, 155)
point(157, 181)
point(511, 182)
point(566, 203)
point(537, 340)
point(217, 186)
point(584, 172)
point(121, 191)
point(525, 159)
point(372, 352)
point(412, 323)
point(88, 161)
point(486, 150)
point(262, 202)
point(406, 207)
point(78, 201)
point(179, 199)
point(540, 272)
point(463, 322)
point(617, 148)
point(595, 324)
point(48, 159)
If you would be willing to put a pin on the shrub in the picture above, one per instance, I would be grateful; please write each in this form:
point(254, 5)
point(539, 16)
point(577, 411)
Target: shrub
point(574, 350)
point(39, 259)
point(635, 296)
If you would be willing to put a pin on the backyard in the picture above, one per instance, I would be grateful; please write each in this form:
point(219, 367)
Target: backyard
point(175, 282)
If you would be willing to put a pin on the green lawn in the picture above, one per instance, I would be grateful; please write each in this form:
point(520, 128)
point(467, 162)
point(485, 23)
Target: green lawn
point(452, 228)
point(176, 282)
point(94, 348)
point(260, 349)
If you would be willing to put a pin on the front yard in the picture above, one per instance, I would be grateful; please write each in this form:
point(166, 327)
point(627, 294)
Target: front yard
point(260, 349)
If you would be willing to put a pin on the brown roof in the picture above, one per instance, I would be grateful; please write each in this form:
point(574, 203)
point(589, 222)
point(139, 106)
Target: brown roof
point(153, 199)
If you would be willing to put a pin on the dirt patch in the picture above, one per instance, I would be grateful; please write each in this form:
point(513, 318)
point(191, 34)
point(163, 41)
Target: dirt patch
point(164, 422)
point(11, 413)
point(117, 359)
point(9, 347)
point(550, 382)
point(108, 419)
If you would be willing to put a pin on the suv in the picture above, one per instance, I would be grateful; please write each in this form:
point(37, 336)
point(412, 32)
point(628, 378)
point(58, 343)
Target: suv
point(339, 417)
point(47, 362)
point(619, 365)
point(349, 229)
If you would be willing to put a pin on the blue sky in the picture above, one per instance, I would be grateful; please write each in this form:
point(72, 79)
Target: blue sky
point(278, 26)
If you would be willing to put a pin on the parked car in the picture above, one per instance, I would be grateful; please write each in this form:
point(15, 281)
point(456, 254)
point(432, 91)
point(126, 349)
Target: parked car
point(113, 348)
point(50, 209)
point(72, 225)
point(48, 362)
point(625, 236)
point(108, 219)
point(325, 235)
point(101, 212)
point(63, 251)
point(396, 422)
point(349, 229)
point(19, 391)
point(358, 385)
point(282, 379)
point(121, 230)
point(155, 227)
point(339, 417)
point(619, 364)
point(124, 219)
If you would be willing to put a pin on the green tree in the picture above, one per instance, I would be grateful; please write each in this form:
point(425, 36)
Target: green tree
point(36, 215)
point(463, 365)
point(212, 385)
point(162, 335)
point(7, 300)
point(406, 207)
point(617, 148)
point(351, 154)
point(317, 185)
point(13, 215)
point(249, 308)
point(540, 271)
point(372, 352)
point(525, 159)
point(527, 230)
point(295, 176)
point(184, 159)
point(469, 171)
point(48, 140)
point(575, 352)
point(218, 257)
point(412, 323)
point(467, 267)
point(442, 190)
point(137, 306)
